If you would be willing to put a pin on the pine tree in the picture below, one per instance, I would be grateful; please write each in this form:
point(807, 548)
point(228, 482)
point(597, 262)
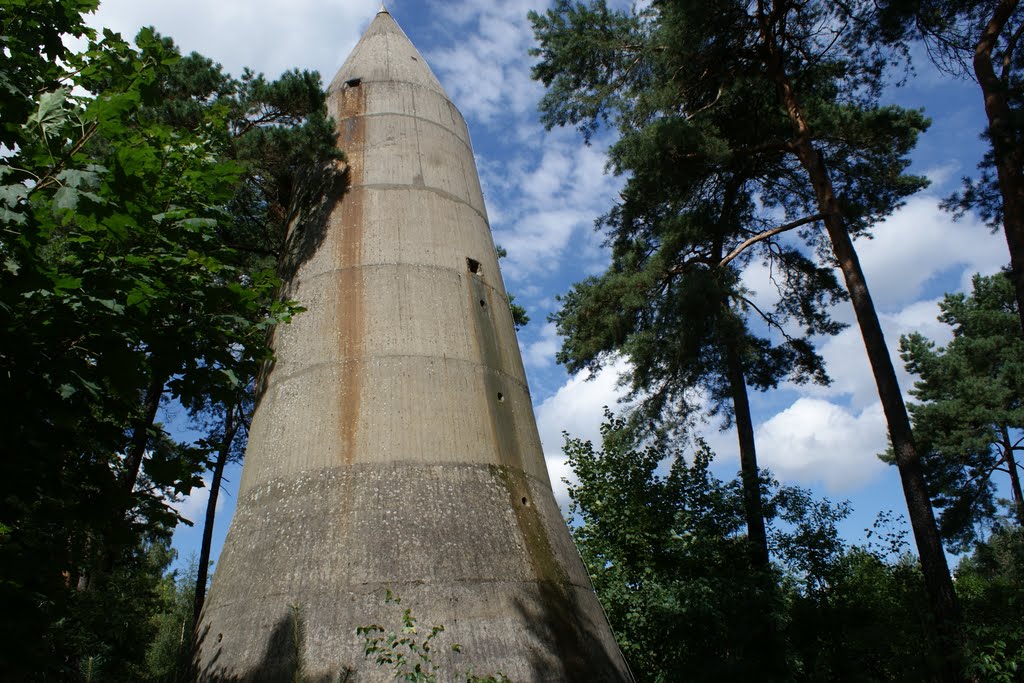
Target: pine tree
point(979, 40)
point(825, 153)
point(971, 407)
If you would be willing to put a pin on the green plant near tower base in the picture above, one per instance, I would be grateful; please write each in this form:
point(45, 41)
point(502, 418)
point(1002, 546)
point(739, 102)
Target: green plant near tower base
point(409, 658)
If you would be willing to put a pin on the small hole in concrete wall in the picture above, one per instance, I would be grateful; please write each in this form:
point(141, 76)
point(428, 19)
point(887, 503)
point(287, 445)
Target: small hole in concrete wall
point(483, 304)
point(354, 82)
point(501, 397)
point(474, 266)
point(524, 502)
point(220, 637)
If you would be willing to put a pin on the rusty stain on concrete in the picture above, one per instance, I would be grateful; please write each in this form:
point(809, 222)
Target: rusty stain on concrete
point(397, 448)
point(352, 138)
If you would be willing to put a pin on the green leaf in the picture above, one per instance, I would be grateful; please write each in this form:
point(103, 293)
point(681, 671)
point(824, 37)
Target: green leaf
point(109, 303)
point(50, 114)
point(11, 217)
point(79, 179)
point(11, 195)
point(65, 199)
point(66, 283)
point(230, 374)
point(91, 387)
point(197, 224)
point(67, 391)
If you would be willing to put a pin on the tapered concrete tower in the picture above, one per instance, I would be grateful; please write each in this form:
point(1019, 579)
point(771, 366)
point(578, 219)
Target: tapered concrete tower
point(394, 444)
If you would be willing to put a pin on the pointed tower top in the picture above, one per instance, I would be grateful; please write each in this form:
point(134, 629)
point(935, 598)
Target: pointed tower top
point(383, 9)
point(384, 54)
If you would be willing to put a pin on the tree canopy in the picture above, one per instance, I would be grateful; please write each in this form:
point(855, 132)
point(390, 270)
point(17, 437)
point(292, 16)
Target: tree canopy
point(144, 200)
point(659, 533)
point(782, 94)
point(976, 39)
point(970, 412)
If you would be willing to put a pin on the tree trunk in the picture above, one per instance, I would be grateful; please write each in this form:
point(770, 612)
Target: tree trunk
point(108, 547)
point(231, 423)
point(1007, 153)
point(756, 536)
point(942, 597)
point(140, 435)
point(1011, 467)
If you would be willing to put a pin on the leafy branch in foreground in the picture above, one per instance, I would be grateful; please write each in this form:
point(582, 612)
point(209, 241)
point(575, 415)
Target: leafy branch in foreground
point(140, 219)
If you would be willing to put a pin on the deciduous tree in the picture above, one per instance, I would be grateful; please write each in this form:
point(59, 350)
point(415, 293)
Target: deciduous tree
point(120, 193)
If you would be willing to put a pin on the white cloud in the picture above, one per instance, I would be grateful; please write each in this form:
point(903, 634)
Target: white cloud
point(541, 353)
point(303, 33)
point(816, 441)
point(193, 507)
point(550, 208)
point(921, 242)
point(847, 361)
point(941, 174)
point(486, 67)
point(576, 408)
point(916, 250)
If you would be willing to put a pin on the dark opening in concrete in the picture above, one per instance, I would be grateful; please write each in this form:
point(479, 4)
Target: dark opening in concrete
point(354, 82)
point(474, 266)
point(501, 397)
point(525, 501)
point(483, 304)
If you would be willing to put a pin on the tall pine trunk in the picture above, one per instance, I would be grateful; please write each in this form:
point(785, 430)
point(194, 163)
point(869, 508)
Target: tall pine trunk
point(757, 538)
point(1011, 468)
point(1007, 153)
point(231, 423)
point(943, 601)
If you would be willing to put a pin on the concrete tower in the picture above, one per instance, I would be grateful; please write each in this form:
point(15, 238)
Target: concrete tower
point(394, 444)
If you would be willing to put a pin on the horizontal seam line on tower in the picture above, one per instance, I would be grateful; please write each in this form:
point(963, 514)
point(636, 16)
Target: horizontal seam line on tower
point(262, 596)
point(545, 484)
point(469, 148)
point(364, 82)
point(310, 369)
point(436, 190)
point(418, 266)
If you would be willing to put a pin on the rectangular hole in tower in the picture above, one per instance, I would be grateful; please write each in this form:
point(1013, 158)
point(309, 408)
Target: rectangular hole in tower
point(474, 266)
point(354, 82)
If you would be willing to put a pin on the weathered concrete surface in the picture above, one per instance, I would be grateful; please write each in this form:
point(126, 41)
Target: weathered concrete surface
point(394, 444)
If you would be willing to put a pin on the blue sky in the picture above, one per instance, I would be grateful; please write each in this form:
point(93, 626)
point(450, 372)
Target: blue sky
point(544, 190)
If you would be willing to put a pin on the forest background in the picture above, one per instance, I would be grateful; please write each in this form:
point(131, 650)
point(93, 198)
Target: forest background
point(544, 192)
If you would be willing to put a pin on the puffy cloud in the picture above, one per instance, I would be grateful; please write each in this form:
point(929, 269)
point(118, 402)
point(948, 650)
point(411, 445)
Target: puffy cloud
point(266, 35)
point(486, 67)
point(541, 352)
point(547, 202)
point(816, 441)
point(920, 247)
point(918, 252)
point(577, 408)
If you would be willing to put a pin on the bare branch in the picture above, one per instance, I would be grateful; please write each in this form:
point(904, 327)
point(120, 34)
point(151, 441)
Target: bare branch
point(51, 175)
point(769, 233)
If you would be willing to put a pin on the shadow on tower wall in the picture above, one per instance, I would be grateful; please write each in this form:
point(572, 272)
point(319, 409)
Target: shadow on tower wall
point(573, 653)
point(283, 661)
point(318, 191)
